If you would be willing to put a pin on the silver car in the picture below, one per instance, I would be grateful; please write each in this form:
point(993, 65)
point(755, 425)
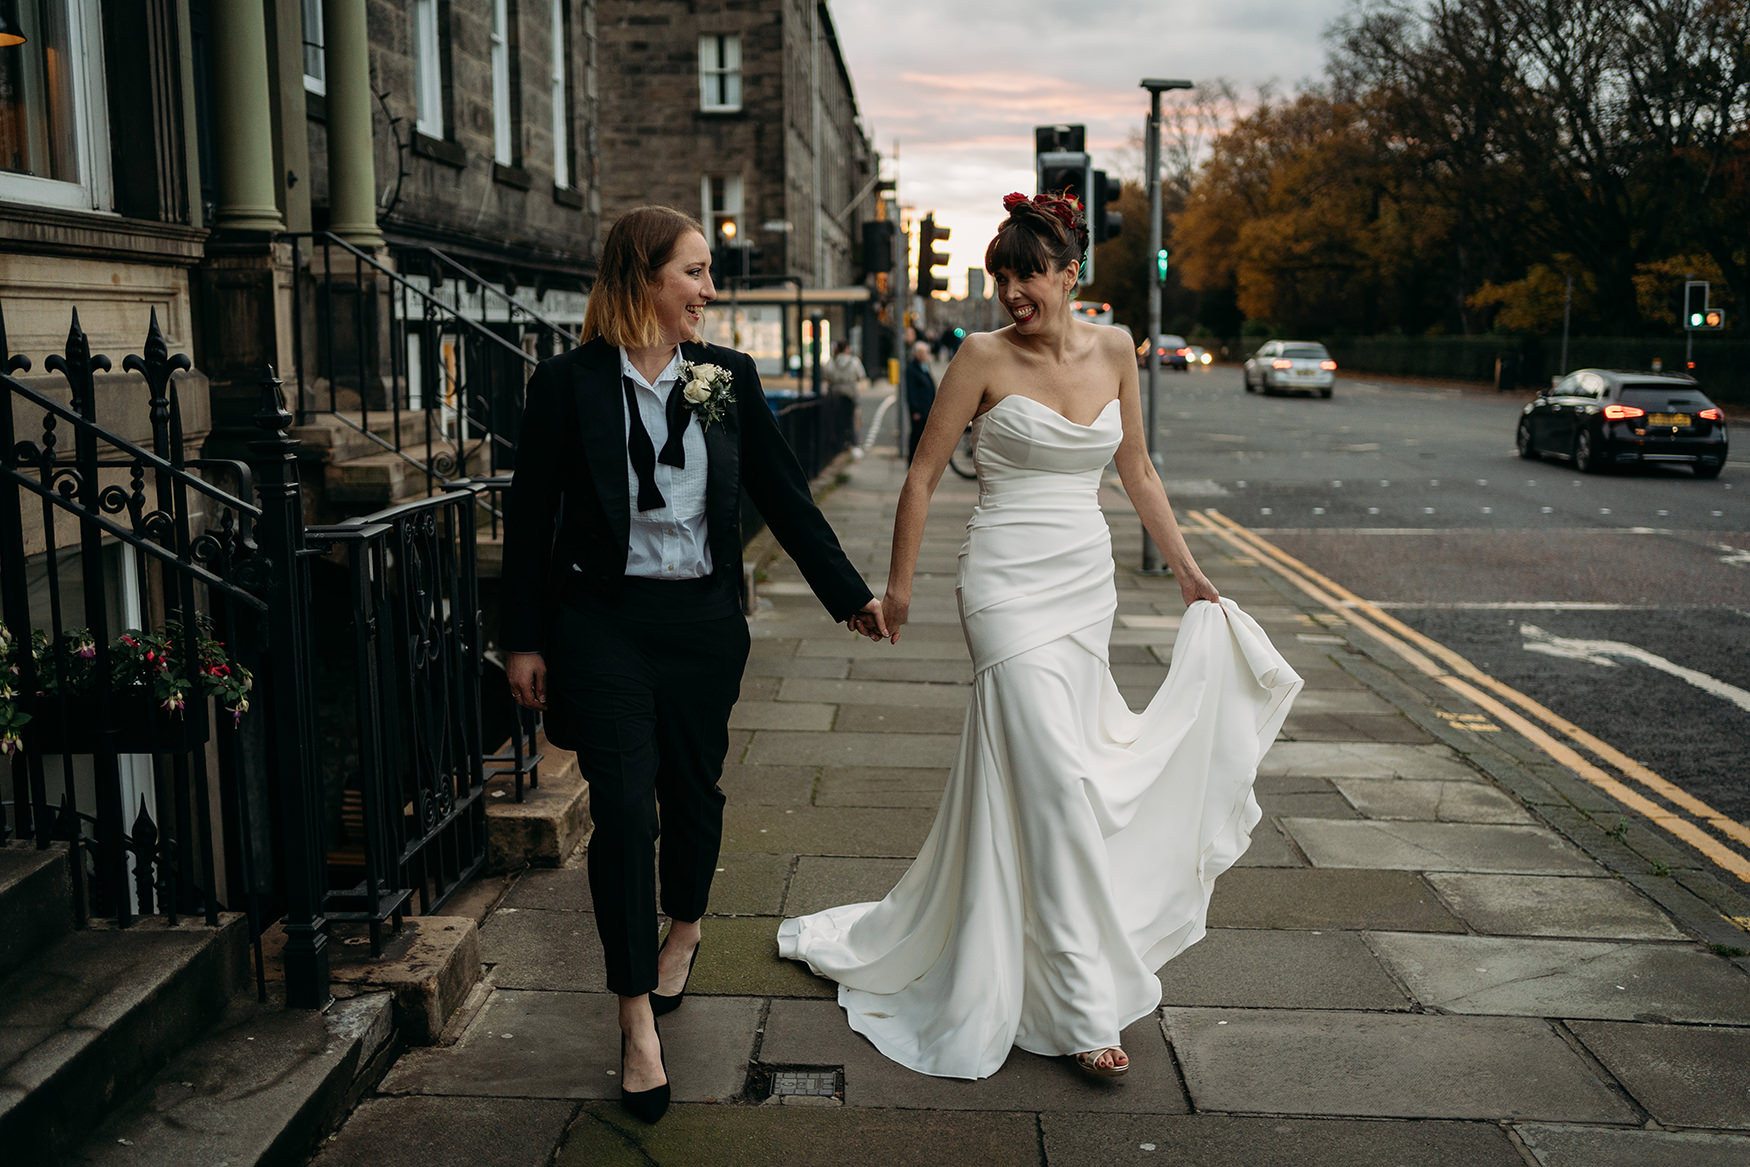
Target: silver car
point(1300, 366)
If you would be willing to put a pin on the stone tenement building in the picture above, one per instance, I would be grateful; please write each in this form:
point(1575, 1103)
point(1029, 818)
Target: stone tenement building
point(742, 113)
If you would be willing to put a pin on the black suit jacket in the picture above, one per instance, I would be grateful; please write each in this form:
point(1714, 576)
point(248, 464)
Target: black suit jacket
point(569, 501)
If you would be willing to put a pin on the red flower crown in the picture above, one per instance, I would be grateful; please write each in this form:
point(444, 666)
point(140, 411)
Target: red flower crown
point(1065, 207)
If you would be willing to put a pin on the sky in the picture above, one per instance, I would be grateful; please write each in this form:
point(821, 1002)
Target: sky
point(955, 87)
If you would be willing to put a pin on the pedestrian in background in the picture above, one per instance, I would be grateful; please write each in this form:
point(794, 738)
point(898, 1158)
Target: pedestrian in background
point(622, 612)
point(920, 393)
point(844, 378)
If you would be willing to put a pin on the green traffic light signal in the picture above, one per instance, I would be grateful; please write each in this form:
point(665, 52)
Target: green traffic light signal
point(1161, 265)
point(1696, 319)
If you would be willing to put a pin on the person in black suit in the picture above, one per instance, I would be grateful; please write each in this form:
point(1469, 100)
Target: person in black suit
point(920, 393)
point(622, 611)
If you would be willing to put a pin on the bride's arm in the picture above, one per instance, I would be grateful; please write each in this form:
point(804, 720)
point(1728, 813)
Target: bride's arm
point(957, 400)
point(1147, 494)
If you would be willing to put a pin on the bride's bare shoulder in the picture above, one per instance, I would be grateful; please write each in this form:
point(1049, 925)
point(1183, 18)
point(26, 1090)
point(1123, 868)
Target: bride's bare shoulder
point(982, 349)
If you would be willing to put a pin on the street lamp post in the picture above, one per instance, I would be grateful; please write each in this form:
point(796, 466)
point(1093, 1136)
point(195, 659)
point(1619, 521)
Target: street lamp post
point(727, 230)
point(1151, 555)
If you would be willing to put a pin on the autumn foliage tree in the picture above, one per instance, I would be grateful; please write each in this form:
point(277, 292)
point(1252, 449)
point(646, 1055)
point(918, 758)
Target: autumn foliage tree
point(1466, 156)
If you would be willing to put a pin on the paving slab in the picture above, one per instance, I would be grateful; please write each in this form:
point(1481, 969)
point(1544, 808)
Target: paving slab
point(900, 719)
point(1583, 1146)
point(740, 959)
point(749, 883)
point(807, 830)
point(822, 882)
point(1337, 1063)
point(834, 667)
point(768, 785)
point(932, 671)
point(1437, 846)
point(1342, 701)
point(880, 786)
point(417, 1132)
point(760, 1136)
point(1619, 980)
point(1281, 970)
point(1312, 804)
point(1554, 905)
point(1215, 1140)
point(557, 889)
point(1270, 848)
point(784, 748)
point(916, 642)
point(1419, 800)
point(1684, 1075)
point(772, 714)
point(1365, 760)
point(1350, 727)
point(1319, 898)
point(814, 1033)
point(540, 949)
point(872, 692)
point(539, 1044)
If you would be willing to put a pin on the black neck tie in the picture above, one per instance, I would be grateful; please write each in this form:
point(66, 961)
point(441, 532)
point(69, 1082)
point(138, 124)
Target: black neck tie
point(643, 453)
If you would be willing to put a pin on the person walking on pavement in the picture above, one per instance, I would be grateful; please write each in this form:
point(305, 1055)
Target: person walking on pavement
point(920, 393)
point(1077, 842)
point(621, 576)
point(844, 378)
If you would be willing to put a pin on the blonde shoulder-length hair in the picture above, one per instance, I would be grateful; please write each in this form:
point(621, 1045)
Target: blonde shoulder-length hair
point(622, 305)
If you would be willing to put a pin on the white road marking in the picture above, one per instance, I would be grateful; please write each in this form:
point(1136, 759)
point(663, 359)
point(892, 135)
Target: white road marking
point(1734, 556)
point(1524, 606)
point(1600, 652)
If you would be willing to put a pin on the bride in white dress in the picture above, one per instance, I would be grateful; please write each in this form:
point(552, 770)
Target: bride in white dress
point(1077, 842)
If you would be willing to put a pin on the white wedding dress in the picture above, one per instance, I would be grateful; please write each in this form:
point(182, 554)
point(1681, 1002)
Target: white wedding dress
point(1077, 842)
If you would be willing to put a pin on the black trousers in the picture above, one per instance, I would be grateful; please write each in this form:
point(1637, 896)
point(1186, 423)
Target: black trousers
point(643, 684)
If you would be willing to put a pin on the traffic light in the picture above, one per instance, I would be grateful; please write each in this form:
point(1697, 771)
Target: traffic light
point(877, 247)
point(1105, 222)
point(1713, 318)
point(1695, 304)
point(1161, 266)
point(928, 282)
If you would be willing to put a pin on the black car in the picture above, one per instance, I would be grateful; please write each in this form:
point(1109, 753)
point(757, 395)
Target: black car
point(1600, 418)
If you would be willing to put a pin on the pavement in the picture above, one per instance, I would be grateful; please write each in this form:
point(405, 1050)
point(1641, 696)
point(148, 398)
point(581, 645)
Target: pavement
point(1441, 948)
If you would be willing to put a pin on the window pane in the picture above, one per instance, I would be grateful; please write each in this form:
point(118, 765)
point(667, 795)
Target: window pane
point(561, 102)
point(501, 127)
point(37, 120)
point(428, 62)
point(314, 67)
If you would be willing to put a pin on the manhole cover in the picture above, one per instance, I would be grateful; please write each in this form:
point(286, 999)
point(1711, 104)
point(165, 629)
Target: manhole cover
point(817, 1083)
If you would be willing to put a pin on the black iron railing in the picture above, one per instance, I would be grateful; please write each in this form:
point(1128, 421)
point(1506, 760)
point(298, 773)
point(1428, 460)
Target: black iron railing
point(136, 607)
point(817, 429)
point(409, 368)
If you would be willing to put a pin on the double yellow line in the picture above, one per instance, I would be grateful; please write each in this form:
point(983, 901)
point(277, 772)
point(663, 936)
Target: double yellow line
point(1692, 820)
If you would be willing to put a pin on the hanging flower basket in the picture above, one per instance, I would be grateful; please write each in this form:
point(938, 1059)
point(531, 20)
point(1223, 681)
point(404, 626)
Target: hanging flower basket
point(142, 706)
point(136, 726)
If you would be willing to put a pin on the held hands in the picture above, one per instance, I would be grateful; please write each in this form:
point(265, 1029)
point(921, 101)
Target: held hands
point(869, 621)
point(898, 610)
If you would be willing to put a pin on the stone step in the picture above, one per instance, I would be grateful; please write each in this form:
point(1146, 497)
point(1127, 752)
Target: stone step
point(36, 901)
point(549, 823)
point(385, 478)
point(261, 1088)
point(335, 437)
point(95, 1015)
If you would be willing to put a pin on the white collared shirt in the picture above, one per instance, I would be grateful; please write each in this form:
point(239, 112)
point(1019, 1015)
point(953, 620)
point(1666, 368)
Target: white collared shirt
point(670, 541)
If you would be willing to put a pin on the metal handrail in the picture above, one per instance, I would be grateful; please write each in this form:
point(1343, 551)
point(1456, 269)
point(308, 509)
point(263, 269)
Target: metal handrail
point(515, 306)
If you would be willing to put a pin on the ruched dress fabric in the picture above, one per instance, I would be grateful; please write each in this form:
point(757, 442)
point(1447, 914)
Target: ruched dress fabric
point(1077, 842)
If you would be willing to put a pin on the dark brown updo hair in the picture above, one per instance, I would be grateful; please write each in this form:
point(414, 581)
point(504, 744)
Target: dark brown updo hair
point(1036, 236)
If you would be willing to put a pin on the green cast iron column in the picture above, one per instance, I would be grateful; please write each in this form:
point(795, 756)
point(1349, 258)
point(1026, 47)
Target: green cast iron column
point(242, 124)
point(352, 182)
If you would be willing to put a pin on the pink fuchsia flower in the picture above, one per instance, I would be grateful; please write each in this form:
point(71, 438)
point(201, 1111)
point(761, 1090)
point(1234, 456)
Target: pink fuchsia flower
point(86, 650)
point(9, 744)
point(175, 703)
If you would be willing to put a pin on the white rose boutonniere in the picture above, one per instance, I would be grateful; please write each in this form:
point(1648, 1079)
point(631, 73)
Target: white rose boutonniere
point(706, 390)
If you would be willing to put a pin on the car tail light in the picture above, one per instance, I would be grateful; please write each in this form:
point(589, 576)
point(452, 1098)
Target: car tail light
point(1184, 352)
point(1329, 366)
point(1711, 414)
point(1623, 412)
point(1281, 364)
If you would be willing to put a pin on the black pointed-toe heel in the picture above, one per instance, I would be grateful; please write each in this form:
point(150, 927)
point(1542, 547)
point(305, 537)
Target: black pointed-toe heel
point(661, 1006)
point(646, 1105)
